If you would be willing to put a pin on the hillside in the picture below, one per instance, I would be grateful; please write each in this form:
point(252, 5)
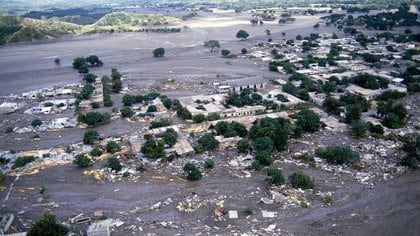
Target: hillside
point(17, 29)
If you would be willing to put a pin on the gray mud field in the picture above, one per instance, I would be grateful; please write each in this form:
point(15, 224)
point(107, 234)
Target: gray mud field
point(390, 207)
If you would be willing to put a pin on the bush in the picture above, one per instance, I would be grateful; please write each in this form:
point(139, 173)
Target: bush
point(160, 123)
point(299, 180)
point(95, 105)
point(2, 176)
point(22, 161)
point(264, 158)
point(36, 122)
point(82, 161)
point(159, 52)
point(243, 146)
point(255, 165)
point(209, 163)
point(337, 155)
point(308, 120)
point(275, 176)
point(112, 147)
point(47, 225)
point(208, 142)
point(170, 136)
point(152, 108)
point(90, 137)
point(199, 118)
point(263, 144)
point(244, 51)
point(358, 128)
point(96, 152)
point(193, 173)
point(376, 129)
point(153, 149)
point(126, 112)
point(248, 211)
point(225, 52)
point(114, 164)
point(328, 200)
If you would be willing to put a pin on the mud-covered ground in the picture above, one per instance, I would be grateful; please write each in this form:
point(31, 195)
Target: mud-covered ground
point(390, 207)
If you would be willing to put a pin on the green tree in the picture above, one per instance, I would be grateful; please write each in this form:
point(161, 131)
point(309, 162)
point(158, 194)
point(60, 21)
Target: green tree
point(225, 52)
point(170, 136)
point(78, 62)
point(212, 44)
point(47, 225)
point(159, 52)
point(22, 161)
point(90, 137)
point(154, 149)
point(244, 50)
point(332, 105)
point(358, 128)
point(353, 112)
point(96, 152)
point(90, 78)
point(264, 157)
point(193, 173)
point(209, 163)
point(275, 176)
point(114, 164)
point(242, 34)
point(199, 118)
point(208, 142)
point(243, 146)
point(263, 144)
point(308, 120)
point(126, 112)
point(112, 147)
point(152, 108)
point(337, 155)
point(36, 122)
point(213, 116)
point(82, 160)
point(83, 69)
point(299, 180)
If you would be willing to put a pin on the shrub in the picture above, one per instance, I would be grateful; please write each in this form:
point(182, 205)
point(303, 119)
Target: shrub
point(199, 118)
point(248, 211)
point(82, 161)
point(213, 116)
point(299, 180)
point(96, 152)
point(243, 146)
point(22, 161)
point(90, 137)
point(209, 163)
point(244, 50)
point(42, 189)
point(36, 122)
point(47, 225)
point(358, 128)
point(255, 165)
point(153, 149)
point(225, 52)
point(95, 105)
point(126, 112)
point(376, 129)
point(114, 164)
point(160, 123)
point(328, 200)
point(170, 136)
point(337, 155)
point(263, 144)
point(275, 176)
point(112, 147)
point(2, 176)
point(159, 52)
point(264, 158)
point(126, 174)
point(193, 173)
point(208, 142)
point(152, 108)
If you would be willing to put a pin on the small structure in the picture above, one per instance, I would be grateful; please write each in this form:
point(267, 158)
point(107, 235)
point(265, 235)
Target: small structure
point(238, 85)
point(100, 228)
point(367, 93)
point(8, 107)
point(183, 148)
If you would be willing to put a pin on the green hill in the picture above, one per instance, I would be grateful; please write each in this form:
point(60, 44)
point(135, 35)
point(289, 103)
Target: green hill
point(16, 29)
